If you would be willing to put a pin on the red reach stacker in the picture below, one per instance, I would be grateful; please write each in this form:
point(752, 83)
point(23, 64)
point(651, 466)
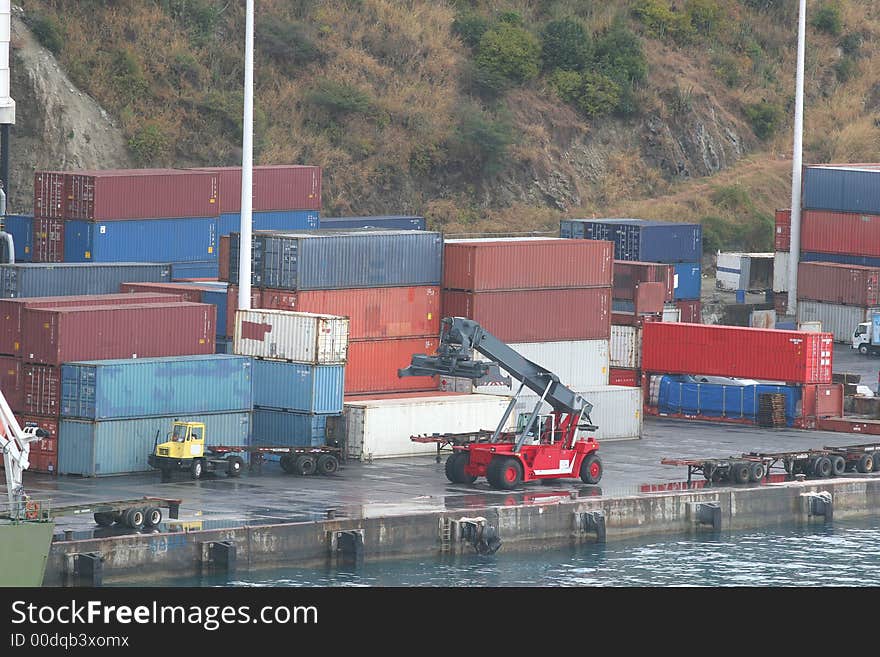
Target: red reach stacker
point(558, 445)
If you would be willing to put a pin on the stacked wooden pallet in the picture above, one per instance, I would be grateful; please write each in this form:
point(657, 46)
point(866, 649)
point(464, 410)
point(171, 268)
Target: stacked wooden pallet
point(771, 410)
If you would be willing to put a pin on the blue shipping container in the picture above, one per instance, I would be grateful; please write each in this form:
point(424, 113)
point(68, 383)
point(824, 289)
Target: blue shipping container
point(843, 189)
point(384, 222)
point(332, 260)
point(65, 279)
point(142, 387)
point(298, 386)
point(141, 240)
point(286, 429)
point(21, 227)
point(230, 222)
point(180, 271)
point(684, 395)
point(640, 239)
point(109, 447)
point(864, 261)
point(688, 280)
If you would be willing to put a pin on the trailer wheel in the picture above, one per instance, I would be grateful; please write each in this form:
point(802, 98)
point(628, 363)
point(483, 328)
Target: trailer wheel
point(838, 465)
point(327, 464)
point(104, 519)
point(822, 467)
point(234, 465)
point(504, 472)
point(591, 469)
point(876, 467)
point(866, 463)
point(739, 472)
point(455, 468)
point(756, 471)
point(134, 518)
point(287, 463)
point(304, 465)
point(152, 517)
point(196, 469)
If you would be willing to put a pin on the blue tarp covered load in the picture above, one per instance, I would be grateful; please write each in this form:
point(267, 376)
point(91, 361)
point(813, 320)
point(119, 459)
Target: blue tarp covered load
point(688, 396)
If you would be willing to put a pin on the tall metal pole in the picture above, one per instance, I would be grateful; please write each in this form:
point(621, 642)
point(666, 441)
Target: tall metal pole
point(796, 165)
point(247, 163)
point(7, 104)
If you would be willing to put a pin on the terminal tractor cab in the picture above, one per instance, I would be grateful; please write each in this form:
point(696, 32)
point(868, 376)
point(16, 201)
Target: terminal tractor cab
point(185, 450)
point(558, 445)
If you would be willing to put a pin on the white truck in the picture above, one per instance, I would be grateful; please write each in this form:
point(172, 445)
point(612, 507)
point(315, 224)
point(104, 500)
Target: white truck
point(866, 337)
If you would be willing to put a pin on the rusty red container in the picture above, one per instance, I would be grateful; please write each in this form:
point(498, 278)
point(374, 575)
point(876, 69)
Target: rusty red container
point(765, 354)
point(536, 315)
point(650, 297)
point(12, 382)
point(782, 235)
point(847, 233)
point(42, 390)
point(691, 311)
point(232, 305)
point(629, 274)
point(618, 376)
point(223, 258)
point(526, 263)
point(53, 336)
point(50, 194)
point(822, 400)
point(11, 311)
point(190, 293)
point(48, 240)
point(842, 284)
point(275, 187)
point(44, 452)
point(119, 194)
point(372, 365)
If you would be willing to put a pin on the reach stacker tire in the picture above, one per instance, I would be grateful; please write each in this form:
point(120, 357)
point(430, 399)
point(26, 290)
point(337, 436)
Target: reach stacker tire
point(591, 469)
point(504, 473)
point(455, 469)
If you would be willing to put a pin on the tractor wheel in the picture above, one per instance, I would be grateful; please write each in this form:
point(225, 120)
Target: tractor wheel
point(327, 464)
point(504, 472)
point(863, 349)
point(152, 517)
point(739, 472)
point(287, 463)
point(866, 463)
point(134, 518)
point(104, 519)
point(196, 469)
point(822, 467)
point(591, 469)
point(455, 468)
point(838, 465)
point(304, 464)
point(234, 465)
point(756, 471)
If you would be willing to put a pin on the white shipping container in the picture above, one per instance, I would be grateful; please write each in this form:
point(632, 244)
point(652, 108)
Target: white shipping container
point(294, 336)
point(835, 318)
point(780, 271)
point(576, 363)
point(728, 271)
point(671, 314)
point(626, 347)
point(617, 410)
point(381, 428)
point(743, 271)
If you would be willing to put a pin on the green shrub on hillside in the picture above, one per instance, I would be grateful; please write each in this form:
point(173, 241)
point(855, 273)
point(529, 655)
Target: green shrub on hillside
point(480, 142)
point(339, 98)
point(592, 93)
point(47, 31)
point(851, 44)
point(565, 45)
point(764, 117)
point(199, 17)
point(705, 16)
point(287, 43)
point(149, 144)
point(828, 19)
point(509, 52)
point(619, 55)
point(663, 21)
point(845, 69)
point(470, 28)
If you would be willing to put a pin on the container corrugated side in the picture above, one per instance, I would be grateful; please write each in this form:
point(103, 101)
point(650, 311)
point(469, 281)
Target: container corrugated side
point(143, 387)
point(381, 428)
point(12, 382)
point(41, 390)
point(294, 336)
point(641, 239)
point(50, 194)
point(149, 240)
point(764, 354)
point(67, 279)
point(298, 386)
point(275, 187)
point(514, 264)
point(688, 280)
point(577, 364)
point(782, 234)
point(48, 238)
point(836, 283)
point(44, 452)
point(844, 189)
point(288, 429)
point(223, 256)
point(57, 335)
point(230, 222)
point(109, 447)
point(372, 365)
point(839, 320)
point(629, 274)
point(382, 222)
point(841, 232)
point(21, 227)
point(626, 346)
point(691, 310)
point(536, 315)
point(780, 271)
point(842, 258)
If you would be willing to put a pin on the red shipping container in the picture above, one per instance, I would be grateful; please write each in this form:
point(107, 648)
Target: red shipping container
point(525, 264)
point(848, 233)
point(372, 365)
point(783, 230)
point(59, 335)
point(12, 382)
point(822, 400)
point(842, 284)
point(628, 274)
point(43, 456)
point(764, 354)
point(223, 258)
point(119, 194)
point(650, 297)
point(190, 293)
point(232, 305)
point(42, 390)
point(275, 187)
point(50, 194)
point(618, 376)
point(48, 240)
point(691, 311)
point(536, 315)
point(11, 311)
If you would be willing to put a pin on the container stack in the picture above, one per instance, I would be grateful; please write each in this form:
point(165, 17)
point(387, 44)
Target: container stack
point(27, 280)
point(298, 373)
point(380, 222)
point(386, 282)
point(640, 240)
point(839, 296)
point(21, 228)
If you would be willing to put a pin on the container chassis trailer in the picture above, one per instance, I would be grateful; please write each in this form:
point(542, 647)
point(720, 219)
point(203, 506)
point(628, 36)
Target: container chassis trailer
point(134, 514)
point(302, 461)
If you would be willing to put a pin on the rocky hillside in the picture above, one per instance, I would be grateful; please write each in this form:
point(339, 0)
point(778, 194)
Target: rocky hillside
point(484, 116)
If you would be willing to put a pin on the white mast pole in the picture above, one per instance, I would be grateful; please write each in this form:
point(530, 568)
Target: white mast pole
point(796, 166)
point(247, 163)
